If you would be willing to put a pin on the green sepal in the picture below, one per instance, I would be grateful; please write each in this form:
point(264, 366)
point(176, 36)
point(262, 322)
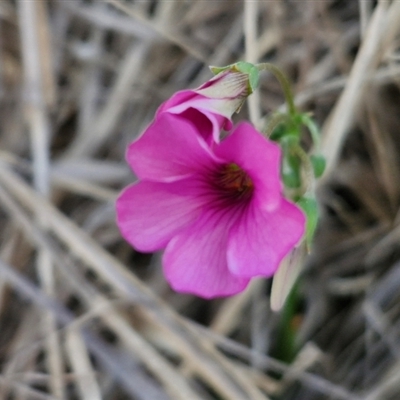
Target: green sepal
point(319, 163)
point(244, 67)
point(254, 79)
point(252, 71)
point(240, 66)
point(310, 208)
point(217, 70)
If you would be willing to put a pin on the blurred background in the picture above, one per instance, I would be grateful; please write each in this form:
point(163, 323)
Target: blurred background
point(82, 314)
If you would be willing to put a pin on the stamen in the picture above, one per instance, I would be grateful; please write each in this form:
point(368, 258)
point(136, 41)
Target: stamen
point(234, 183)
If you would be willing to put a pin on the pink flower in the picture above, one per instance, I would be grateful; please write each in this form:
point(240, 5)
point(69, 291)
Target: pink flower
point(211, 106)
point(217, 210)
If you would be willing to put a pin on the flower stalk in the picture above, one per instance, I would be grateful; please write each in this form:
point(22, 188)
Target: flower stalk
point(284, 82)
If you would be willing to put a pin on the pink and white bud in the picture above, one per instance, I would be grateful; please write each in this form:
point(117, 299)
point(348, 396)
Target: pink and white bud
point(212, 105)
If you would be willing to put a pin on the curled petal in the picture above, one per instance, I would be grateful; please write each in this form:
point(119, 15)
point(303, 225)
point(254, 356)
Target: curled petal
point(207, 123)
point(177, 99)
point(208, 114)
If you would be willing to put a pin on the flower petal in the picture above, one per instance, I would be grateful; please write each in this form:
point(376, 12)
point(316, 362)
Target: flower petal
point(195, 260)
point(210, 124)
point(259, 239)
point(226, 85)
point(211, 115)
point(175, 100)
point(259, 158)
point(170, 148)
point(210, 112)
point(149, 214)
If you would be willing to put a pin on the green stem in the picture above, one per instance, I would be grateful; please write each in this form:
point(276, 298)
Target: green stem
point(283, 80)
point(273, 122)
point(313, 129)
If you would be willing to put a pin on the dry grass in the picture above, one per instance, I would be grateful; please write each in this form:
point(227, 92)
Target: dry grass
point(82, 315)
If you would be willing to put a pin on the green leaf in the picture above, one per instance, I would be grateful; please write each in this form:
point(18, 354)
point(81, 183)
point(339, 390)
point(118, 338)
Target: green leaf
point(310, 207)
point(278, 133)
point(318, 162)
point(286, 134)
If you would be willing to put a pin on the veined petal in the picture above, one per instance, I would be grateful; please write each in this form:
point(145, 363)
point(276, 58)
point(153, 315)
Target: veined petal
point(260, 239)
point(171, 148)
point(259, 158)
point(195, 260)
point(149, 214)
point(227, 85)
point(218, 106)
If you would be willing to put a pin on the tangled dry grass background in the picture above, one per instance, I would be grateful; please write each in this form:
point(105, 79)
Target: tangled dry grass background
point(82, 315)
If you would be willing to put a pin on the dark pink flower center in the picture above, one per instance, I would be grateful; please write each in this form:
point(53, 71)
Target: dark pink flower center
point(234, 183)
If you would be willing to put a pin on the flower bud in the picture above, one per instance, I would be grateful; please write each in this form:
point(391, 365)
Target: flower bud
point(213, 103)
